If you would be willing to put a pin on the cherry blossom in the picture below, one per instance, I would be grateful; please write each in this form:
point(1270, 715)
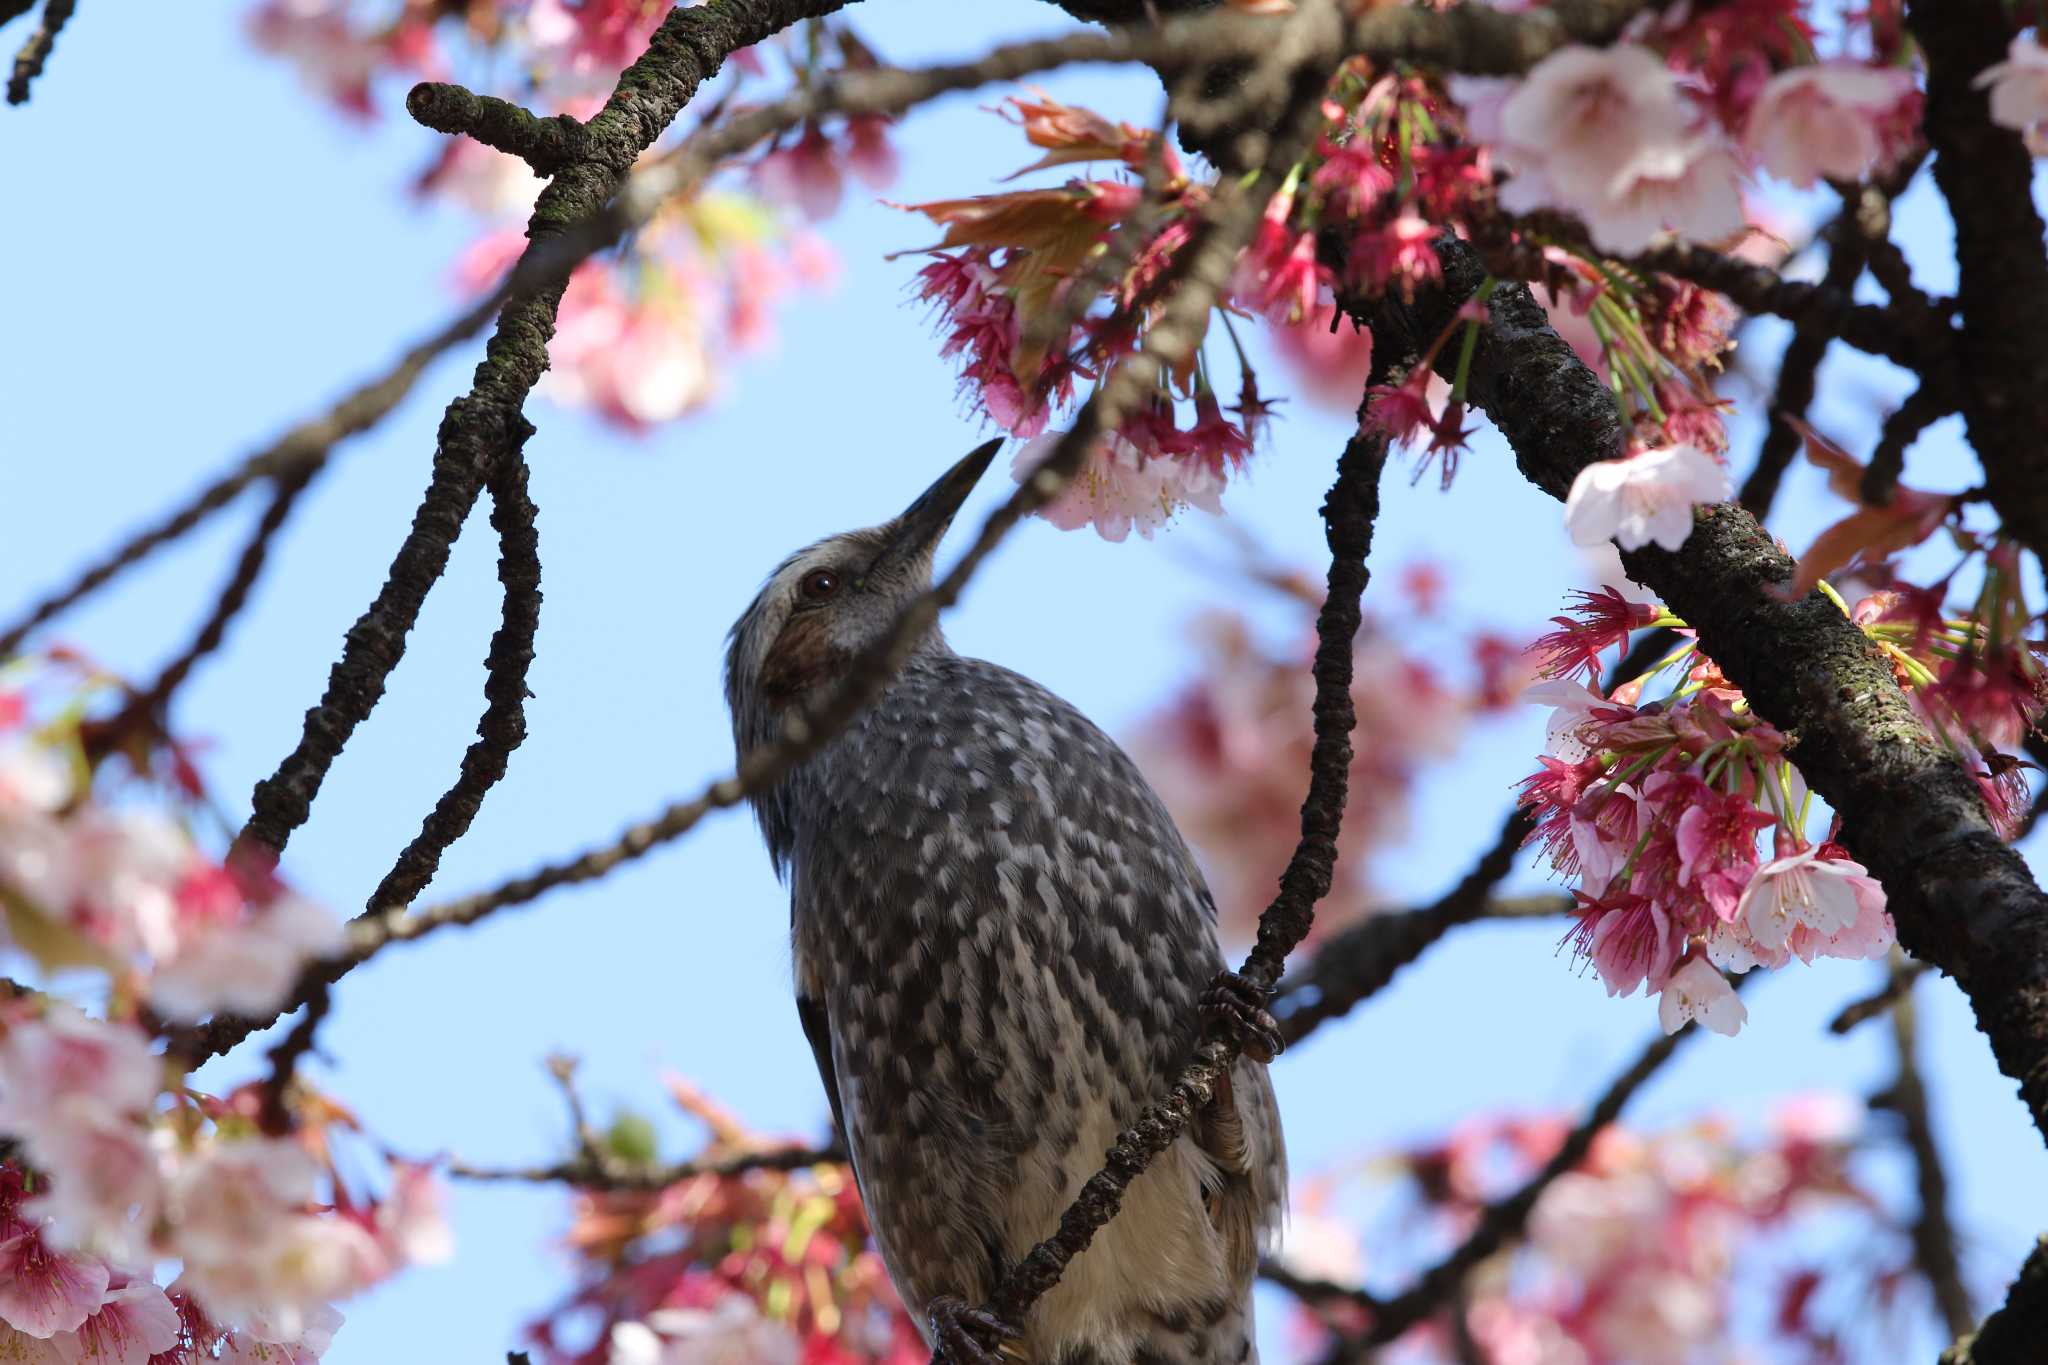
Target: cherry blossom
point(733, 1332)
point(2019, 90)
point(1824, 121)
point(248, 967)
point(1644, 498)
point(44, 1291)
point(1608, 134)
point(134, 1322)
point(1119, 488)
point(63, 1068)
point(1695, 991)
point(1802, 890)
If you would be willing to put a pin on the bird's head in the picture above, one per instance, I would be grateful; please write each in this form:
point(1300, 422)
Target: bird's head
point(826, 604)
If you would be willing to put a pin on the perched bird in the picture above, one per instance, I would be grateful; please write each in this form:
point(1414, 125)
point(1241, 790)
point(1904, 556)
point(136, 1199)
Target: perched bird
point(1003, 950)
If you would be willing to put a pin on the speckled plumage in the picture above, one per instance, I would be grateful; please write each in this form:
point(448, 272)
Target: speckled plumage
point(999, 942)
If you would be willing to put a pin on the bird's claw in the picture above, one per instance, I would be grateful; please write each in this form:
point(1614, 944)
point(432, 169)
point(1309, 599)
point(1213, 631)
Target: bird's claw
point(966, 1335)
point(1235, 1008)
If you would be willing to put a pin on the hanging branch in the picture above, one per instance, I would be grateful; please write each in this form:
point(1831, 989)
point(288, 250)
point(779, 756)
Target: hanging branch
point(35, 52)
point(486, 426)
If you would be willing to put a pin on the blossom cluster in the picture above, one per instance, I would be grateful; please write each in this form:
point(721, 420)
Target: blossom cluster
point(113, 881)
point(115, 1166)
point(1229, 752)
point(764, 1266)
point(1638, 1256)
point(643, 337)
point(1660, 810)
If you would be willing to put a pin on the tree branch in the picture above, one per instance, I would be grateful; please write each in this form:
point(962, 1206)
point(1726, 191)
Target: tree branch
point(1877, 1002)
point(587, 1172)
point(1348, 515)
point(35, 52)
point(1355, 964)
point(2012, 1335)
point(1498, 1222)
point(1986, 173)
point(544, 144)
point(487, 425)
point(1934, 1236)
point(1961, 898)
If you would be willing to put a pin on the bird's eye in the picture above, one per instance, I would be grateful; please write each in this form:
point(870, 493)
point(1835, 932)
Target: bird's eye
point(819, 584)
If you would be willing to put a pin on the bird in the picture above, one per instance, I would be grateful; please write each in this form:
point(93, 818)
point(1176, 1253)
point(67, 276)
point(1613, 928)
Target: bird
point(1002, 950)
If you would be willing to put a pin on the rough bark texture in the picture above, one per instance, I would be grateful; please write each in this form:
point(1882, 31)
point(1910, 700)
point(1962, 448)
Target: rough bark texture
point(1963, 900)
point(1986, 174)
point(486, 424)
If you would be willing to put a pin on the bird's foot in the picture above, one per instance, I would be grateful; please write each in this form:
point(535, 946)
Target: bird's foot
point(1234, 1008)
point(966, 1335)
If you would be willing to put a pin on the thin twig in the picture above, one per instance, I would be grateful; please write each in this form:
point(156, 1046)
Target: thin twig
point(1799, 366)
point(611, 1173)
point(305, 446)
point(1498, 1222)
point(35, 52)
point(1356, 963)
point(1349, 513)
point(1933, 1234)
point(1876, 1003)
point(1205, 260)
point(487, 426)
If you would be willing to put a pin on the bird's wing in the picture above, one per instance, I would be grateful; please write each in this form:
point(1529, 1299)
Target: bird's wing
point(810, 1012)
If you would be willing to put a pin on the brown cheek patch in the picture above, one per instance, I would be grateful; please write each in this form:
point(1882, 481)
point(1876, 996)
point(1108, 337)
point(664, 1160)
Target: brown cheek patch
point(800, 659)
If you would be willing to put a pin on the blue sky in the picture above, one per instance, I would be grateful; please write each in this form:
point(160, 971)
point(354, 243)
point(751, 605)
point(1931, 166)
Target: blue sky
point(197, 255)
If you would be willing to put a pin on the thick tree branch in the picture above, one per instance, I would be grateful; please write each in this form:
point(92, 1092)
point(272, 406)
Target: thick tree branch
point(1961, 898)
point(1986, 173)
point(35, 52)
point(2012, 1335)
point(1356, 963)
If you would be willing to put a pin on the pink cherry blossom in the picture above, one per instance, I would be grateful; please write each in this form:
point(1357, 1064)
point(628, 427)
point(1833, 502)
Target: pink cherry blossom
point(804, 174)
point(1643, 498)
point(1824, 121)
point(1697, 992)
point(133, 1323)
point(106, 1183)
point(232, 1198)
point(278, 1287)
point(869, 153)
point(1692, 188)
point(249, 966)
point(1717, 847)
point(1118, 489)
point(44, 1291)
point(731, 1332)
point(411, 1222)
point(1823, 896)
point(2019, 90)
point(1582, 115)
point(1629, 939)
point(66, 1066)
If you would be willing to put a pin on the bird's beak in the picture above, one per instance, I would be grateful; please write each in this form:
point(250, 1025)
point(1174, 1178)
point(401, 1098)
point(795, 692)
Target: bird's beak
point(917, 531)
